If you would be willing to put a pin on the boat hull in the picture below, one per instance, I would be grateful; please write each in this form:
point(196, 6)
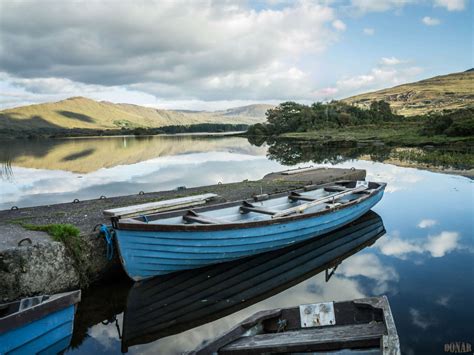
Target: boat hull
point(147, 253)
point(50, 335)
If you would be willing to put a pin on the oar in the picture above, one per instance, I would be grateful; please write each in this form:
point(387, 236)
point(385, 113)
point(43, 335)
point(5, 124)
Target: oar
point(305, 206)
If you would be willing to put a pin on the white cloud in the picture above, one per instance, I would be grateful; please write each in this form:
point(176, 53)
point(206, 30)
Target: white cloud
point(420, 320)
point(443, 243)
point(427, 223)
point(339, 25)
point(443, 301)
point(201, 51)
point(437, 245)
point(368, 31)
point(430, 21)
point(326, 93)
point(363, 6)
point(398, 247)
point(370, 266)
point(391, 61)
point(451, 5)
point(379, 77)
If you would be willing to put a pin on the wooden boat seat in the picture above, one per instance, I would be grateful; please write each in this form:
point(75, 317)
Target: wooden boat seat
point(192, 216)
point(342, 188)
point(248, 207)
point(294, 196)
point(330, 198)
point(335, 188)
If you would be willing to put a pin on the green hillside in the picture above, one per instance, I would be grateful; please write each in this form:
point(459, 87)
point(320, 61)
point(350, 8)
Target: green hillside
point(452, 91)
point(81, 112)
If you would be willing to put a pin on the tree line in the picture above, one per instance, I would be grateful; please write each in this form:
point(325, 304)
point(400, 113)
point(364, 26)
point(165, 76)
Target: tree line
point(294, 117)
point(47, 132)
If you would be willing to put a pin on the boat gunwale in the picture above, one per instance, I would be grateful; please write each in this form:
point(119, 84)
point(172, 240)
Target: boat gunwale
point(136, 225)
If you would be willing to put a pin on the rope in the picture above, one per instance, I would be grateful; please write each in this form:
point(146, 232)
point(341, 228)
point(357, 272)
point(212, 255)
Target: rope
point(109, 236)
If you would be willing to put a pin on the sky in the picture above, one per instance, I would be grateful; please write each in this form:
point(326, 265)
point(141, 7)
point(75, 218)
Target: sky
point(211, 55)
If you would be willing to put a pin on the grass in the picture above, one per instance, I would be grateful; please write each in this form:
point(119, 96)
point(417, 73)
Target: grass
point(59, 232)
point(404, 134)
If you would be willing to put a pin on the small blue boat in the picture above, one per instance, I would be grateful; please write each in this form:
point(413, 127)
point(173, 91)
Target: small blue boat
point(41, 324)
point(163, 243)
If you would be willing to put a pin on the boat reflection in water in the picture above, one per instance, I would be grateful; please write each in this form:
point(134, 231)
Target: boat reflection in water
point(173, 303)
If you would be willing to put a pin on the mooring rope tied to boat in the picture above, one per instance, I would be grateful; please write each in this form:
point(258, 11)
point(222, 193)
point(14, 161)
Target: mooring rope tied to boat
point(109, 237)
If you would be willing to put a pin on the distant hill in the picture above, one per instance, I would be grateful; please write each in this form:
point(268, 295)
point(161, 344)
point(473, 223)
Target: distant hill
point(452, 91)
point(255, 111)
point(81, 112)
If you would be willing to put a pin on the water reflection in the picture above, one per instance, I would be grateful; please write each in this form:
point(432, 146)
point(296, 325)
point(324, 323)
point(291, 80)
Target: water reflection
point(39, 172)
point(290, 152)
point(54, 171)
point(6, 171)
point(86, 155)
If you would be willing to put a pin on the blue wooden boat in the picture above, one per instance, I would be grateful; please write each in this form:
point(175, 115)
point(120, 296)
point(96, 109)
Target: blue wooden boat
point(163, 243)
point(165, 305)
point(41, 324)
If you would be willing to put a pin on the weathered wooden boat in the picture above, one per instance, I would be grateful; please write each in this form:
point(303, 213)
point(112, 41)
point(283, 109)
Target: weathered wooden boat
point(41, 324)
point(173, 303)
point(329, 326)
point(167, 242)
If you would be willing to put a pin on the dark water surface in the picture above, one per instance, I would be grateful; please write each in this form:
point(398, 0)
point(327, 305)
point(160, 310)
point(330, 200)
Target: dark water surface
point(424, 262)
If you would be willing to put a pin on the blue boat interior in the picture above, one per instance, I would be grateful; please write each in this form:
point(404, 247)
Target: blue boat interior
point(306, 202)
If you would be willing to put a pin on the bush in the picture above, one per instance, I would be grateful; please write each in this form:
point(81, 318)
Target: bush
point(293, 117)
point(459, 123)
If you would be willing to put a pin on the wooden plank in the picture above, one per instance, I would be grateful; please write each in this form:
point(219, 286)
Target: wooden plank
point(236, 332)
point(327, 338)
point(297, 171)
point(159, 206)
point(301, 208)
point(390, 341)
point(248, 207)
point(192, 216)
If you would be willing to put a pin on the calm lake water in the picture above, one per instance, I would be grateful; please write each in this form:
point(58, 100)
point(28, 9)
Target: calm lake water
point(424, 262)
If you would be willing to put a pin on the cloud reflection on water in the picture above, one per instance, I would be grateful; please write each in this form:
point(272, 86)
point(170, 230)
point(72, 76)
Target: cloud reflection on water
point(436, 245)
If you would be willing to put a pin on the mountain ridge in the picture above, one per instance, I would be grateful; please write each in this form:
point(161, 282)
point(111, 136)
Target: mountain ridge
point(443, 92)
point(435, 94)
point(85, 113)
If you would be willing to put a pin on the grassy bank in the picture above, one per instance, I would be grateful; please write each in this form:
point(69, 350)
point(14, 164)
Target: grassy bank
point(391, 134)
